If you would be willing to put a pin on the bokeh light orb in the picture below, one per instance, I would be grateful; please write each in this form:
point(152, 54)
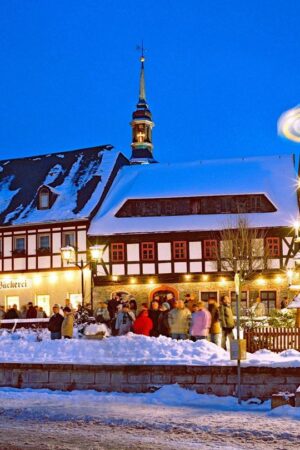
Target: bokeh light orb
point(289, 124)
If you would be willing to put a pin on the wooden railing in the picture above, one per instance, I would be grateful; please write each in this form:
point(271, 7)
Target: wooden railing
point(274, 339)
point(24, 323)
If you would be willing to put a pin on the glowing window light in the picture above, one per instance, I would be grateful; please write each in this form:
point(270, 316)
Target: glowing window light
point(69, 275)
point(53, 278)
point(223, 281)
point(37, 280)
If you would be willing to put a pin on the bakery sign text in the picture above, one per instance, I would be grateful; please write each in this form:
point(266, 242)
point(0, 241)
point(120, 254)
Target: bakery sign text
point(15, 283)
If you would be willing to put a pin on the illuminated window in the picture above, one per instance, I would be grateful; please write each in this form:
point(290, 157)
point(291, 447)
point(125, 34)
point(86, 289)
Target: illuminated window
point(268, 298)
point(210, 249)
point(205, 296)
point(117, 252)
point(148, 251)
point(273, 246)
point(179, 250)
point(244, 301)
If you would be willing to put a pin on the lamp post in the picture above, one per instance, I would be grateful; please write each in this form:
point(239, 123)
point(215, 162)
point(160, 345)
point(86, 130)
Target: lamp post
point(69, 256)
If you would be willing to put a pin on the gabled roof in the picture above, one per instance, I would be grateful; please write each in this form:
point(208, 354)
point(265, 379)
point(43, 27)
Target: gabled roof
point(273, 176)
point(78, 179)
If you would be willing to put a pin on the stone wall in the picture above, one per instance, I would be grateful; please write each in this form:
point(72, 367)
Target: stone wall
point(142, 292)
point(256, 381)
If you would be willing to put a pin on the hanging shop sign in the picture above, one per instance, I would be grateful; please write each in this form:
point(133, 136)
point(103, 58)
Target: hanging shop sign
point(15, 283)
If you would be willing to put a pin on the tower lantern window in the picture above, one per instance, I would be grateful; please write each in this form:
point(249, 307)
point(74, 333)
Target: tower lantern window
point(140, 136)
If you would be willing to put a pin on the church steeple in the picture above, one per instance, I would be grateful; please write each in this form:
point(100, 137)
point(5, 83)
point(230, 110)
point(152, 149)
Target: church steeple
point(142, 125)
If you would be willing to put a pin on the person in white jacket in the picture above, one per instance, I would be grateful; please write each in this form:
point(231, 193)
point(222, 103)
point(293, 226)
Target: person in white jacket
point(125, 319)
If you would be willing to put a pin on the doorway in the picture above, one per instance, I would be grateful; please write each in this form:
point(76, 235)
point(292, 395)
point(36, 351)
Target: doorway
point(163, 293)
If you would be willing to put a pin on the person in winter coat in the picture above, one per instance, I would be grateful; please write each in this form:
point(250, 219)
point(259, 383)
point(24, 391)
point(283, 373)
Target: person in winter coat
point(133, 305)
point(112, 306)
point(179, 319)
point(154, 313)
point(67, 324)
point(23, 312)
point(201, 321)
point(227, 321)
point(55, 323)
point(31, 311)
point(2, 312)
point(163, 323)
point(215, 327)
point(11, 313)
point(101, 313)
point(143, 324)
point(41, 313)
point(125, 319)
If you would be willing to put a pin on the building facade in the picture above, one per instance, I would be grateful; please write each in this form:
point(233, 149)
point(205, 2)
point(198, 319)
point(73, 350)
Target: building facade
point(162, 226)
point(46, 204)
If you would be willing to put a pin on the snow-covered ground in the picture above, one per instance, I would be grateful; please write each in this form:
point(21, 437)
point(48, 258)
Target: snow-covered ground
point(23, 346)
point(168, 419)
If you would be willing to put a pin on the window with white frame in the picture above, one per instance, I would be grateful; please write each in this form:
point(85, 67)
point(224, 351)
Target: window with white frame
point(20, 243)
point(68, 238)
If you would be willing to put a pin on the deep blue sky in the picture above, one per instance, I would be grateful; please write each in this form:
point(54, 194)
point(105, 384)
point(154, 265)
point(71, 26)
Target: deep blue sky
point(218, 74)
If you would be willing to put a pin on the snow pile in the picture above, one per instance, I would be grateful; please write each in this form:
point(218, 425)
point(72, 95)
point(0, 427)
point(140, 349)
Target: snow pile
point(36, 347)
point(94, 329)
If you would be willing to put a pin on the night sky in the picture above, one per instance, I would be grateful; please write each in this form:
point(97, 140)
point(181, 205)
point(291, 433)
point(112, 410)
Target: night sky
point(218, 75)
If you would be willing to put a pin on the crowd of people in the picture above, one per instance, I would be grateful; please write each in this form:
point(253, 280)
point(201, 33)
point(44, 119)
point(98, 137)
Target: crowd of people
point(178, 319)
point(28, 311)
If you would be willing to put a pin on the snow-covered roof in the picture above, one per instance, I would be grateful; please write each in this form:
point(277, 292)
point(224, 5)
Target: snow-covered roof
point(77, 178)
point(273, 176)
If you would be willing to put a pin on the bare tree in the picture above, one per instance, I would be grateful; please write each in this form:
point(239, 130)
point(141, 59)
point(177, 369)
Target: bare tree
point(242, 249)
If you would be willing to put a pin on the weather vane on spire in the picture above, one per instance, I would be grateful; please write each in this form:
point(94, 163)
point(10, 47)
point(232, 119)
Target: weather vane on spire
point(142, 49)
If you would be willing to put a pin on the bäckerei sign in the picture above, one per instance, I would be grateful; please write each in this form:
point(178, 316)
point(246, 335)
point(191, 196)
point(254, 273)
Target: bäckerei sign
point(15, 284)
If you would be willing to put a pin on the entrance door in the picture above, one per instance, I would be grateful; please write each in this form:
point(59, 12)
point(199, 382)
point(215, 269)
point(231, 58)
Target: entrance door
point(11, 300)
point(44, 301)
point(163, 294)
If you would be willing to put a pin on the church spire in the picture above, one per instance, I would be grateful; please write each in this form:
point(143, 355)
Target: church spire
point(142, 96)
point(142, 124)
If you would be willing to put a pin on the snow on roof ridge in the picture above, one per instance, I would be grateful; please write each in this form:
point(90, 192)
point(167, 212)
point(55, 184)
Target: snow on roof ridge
point(107, 147)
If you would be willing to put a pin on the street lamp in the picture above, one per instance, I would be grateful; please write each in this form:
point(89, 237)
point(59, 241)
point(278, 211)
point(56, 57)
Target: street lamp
point(68, 255)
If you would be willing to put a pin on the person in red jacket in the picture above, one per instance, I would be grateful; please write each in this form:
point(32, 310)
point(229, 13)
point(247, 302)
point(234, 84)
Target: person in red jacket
point(143, 324)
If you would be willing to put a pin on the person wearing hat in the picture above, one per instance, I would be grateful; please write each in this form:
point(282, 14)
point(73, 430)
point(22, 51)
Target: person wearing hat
point(163, 324)
point(55, 322)
point(67, 324)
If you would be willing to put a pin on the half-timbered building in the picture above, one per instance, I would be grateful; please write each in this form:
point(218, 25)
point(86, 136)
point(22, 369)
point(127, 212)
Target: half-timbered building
point(161, 225)
point(46, 203)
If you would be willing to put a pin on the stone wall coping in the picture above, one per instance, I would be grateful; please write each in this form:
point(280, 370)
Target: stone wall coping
point(165, 368)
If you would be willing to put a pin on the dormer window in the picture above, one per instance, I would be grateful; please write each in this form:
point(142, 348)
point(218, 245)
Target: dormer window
point(44, 198)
